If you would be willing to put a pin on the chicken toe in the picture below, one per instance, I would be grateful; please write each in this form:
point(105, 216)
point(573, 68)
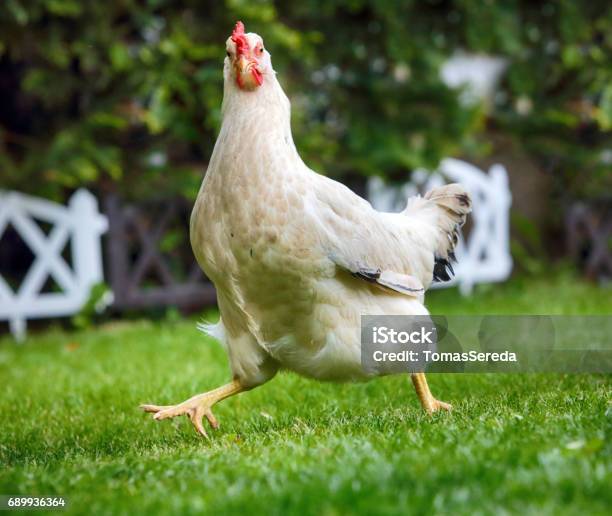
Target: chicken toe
point(196, 407)
point(428, 402)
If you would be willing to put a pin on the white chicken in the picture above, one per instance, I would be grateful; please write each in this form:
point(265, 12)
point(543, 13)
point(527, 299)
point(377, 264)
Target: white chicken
point(296, 257)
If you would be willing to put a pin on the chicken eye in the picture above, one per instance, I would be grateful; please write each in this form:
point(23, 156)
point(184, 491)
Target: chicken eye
point(228, 54)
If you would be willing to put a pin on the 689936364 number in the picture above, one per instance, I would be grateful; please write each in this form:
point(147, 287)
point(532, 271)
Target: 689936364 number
point(17, 502)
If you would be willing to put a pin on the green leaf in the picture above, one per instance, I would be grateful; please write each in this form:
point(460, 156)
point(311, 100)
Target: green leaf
point(604, 109)
point(120, 57)
point(66, 8)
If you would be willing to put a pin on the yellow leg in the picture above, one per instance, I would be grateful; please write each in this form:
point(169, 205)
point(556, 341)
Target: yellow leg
point(428, 402)
point(197, 407)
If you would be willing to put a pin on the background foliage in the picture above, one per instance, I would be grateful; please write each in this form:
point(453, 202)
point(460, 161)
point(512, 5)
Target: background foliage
point(126, 95)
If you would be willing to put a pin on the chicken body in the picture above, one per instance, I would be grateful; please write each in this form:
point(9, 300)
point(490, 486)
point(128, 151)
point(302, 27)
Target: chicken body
point(298, 258)
point(265, 229)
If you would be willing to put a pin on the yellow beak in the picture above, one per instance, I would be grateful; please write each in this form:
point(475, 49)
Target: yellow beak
point(247, 75)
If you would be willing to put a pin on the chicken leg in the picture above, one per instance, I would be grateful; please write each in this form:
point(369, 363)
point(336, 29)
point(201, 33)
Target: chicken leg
point(428, 402)
point(197, 407)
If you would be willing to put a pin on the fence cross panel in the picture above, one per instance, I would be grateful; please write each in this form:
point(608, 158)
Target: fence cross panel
point(79, 225)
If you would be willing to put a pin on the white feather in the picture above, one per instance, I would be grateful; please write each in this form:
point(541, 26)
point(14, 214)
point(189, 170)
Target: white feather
point(214, 330)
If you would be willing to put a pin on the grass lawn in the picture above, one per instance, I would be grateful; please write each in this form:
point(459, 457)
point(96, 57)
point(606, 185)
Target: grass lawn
point(534, 444)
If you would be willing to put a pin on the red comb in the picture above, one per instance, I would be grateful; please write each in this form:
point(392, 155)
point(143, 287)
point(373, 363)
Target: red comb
point(238, 37)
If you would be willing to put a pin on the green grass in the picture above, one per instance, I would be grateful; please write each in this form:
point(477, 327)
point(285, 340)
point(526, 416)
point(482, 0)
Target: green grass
point(530, 444)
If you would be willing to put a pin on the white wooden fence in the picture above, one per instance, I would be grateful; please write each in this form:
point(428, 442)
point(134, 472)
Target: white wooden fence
point(82, 224)
point(485, 256)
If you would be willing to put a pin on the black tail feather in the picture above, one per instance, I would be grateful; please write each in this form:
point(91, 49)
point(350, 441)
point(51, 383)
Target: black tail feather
point(443, 268)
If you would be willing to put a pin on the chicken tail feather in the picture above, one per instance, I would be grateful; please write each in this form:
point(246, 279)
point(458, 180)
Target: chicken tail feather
point(446, 208)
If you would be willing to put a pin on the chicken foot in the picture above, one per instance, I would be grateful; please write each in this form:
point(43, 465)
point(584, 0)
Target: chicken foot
point(428, 402)
point(197, 407)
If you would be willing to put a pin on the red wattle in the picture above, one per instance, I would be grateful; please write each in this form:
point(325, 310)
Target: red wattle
point(257, 76)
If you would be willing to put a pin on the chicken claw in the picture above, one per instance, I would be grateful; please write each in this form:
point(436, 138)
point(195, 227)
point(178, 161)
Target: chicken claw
point(197, 407)
point(428, 402)
point(438, 405)
point(194, 410)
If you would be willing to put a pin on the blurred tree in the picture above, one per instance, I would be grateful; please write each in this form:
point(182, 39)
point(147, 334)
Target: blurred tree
point(125, 95)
